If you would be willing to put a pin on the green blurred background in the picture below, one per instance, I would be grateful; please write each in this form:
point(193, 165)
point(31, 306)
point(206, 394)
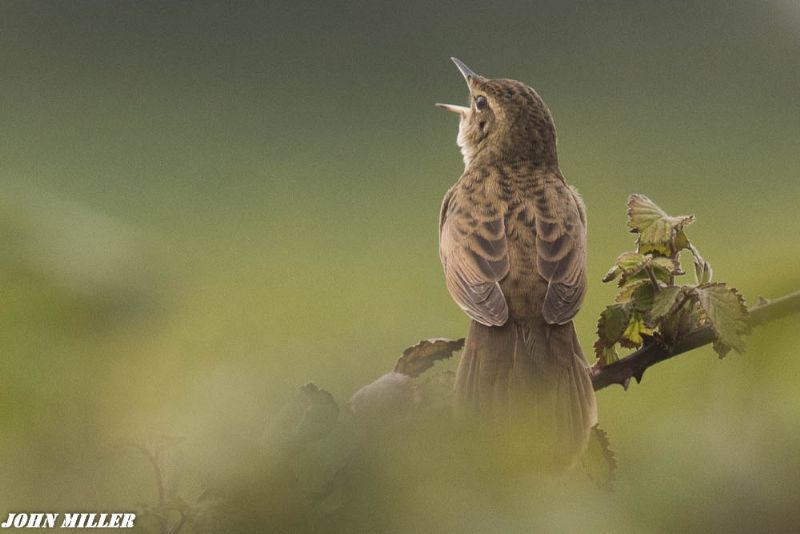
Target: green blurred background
point(205, 205)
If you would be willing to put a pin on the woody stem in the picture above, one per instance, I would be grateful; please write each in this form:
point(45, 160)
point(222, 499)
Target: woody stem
point(634, 365)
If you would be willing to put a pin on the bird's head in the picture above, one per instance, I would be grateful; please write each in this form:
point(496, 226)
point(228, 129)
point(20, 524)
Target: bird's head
point(505, 121)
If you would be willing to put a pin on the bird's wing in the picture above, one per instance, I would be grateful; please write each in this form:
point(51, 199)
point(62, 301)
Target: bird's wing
point(474, 254)
point(560, 248)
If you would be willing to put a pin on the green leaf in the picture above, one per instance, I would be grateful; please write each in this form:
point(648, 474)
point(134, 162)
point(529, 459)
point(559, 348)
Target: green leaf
point(658, 232)
point(599, 460)
point(626, 263)
point(724, 309)
point(660, 274)
point(642, 298)
point(681, 241)
point(683, 319)
point(605, 355)
point(664, 303)
point(623, 323)
point(626, 293)
point(612, 323)
point(610, 327)
point(671, 266)
point(630, 262)
point(632, 266)
point(612, 273)
point(702, 269)
point(632, 336)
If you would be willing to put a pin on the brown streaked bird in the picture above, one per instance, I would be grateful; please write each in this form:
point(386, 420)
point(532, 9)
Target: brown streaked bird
point(512, 241)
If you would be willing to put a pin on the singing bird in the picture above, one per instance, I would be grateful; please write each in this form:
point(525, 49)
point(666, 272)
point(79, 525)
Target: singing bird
point(512, 241)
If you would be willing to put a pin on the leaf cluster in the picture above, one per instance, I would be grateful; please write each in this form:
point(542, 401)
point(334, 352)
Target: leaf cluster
point(650, 305)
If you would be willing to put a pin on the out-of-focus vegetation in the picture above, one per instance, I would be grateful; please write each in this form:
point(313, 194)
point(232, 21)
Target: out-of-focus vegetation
point(206, 206)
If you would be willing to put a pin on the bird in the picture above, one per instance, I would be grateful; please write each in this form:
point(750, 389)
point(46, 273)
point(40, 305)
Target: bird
point(512, 243)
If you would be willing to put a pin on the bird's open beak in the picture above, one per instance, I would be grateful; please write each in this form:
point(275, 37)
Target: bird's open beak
point(468, 75)
point(466, 72)
point(455, 109)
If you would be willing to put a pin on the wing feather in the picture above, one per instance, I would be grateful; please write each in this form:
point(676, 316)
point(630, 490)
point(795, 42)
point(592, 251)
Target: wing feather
point(474, 254)
point(561, 249)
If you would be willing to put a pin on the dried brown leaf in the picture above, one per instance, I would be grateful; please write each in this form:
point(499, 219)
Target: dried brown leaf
point(420, 357)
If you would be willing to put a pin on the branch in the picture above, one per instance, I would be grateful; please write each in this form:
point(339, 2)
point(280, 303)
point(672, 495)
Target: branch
point(634, 365)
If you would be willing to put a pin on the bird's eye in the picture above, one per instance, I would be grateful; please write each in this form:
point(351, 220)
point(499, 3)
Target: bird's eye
point(481, 103)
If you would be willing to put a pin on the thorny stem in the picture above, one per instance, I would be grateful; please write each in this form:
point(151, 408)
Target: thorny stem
point(634, 365)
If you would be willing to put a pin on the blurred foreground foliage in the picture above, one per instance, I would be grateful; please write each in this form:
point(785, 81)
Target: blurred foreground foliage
point(319, 468)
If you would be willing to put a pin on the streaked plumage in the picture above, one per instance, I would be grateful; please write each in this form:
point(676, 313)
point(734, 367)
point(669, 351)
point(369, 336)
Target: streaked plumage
point(512, 241)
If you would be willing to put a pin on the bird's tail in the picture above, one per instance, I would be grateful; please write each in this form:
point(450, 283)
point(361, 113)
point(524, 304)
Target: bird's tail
point(533, 375)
